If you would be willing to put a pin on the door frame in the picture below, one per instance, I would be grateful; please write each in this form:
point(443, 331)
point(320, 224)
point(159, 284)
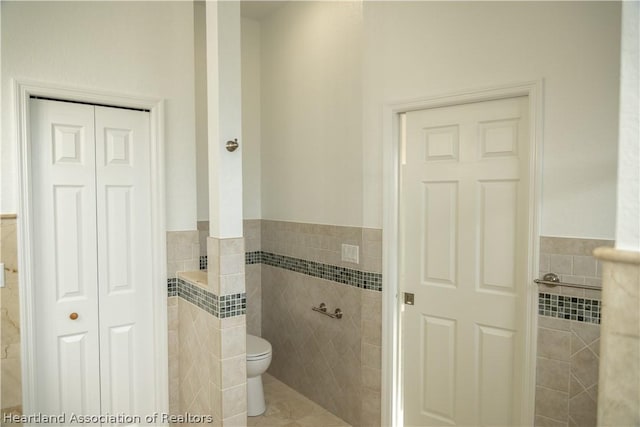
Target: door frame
point(23, 91)
point(392, 399)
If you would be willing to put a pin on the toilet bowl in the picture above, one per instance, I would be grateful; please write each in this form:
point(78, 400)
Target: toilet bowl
point(258, 360)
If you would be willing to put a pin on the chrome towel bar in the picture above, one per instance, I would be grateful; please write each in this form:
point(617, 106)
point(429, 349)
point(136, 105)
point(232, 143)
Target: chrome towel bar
point(552, 279)
point(337, 314)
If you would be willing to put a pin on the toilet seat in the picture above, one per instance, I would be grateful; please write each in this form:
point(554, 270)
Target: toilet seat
point(257, 348)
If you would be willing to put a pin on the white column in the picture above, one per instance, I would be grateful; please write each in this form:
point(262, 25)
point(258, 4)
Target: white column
point(628, 209)
point(225, 245)
point(619, 382)
point(224, 118)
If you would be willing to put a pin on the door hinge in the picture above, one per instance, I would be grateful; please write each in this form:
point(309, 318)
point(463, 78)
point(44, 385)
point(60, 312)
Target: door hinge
point(408, 298)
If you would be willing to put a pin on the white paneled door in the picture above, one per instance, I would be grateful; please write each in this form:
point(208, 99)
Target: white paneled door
point(464, 255)
point(93, 322)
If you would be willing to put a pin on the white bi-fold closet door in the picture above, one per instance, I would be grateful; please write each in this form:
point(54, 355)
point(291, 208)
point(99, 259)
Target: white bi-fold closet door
point(92, 239)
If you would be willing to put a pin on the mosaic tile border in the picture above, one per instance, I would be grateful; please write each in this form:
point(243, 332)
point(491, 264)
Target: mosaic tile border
point(347, 276)
point(569, 308)
point(221, 307)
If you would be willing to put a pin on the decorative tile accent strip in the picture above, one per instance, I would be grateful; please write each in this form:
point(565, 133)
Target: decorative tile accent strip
point(232, 305)
point(570, 308)
point(172, 285)
point(221, 307)
point(348, 276)
point(253, 257)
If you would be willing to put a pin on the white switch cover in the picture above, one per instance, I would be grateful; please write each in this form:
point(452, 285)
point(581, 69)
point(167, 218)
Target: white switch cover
point(2, 275)
point(351, 253)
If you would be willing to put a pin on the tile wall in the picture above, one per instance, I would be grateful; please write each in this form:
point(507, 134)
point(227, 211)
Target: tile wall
point(10, 376)
point(253, 271)
point(568, 334)
point(203, 233)
point(620, 357)
point(226, 279)
point(183, 254)
point(173, 324)
point(207, 313)
point(336, 363)
point(183, 251)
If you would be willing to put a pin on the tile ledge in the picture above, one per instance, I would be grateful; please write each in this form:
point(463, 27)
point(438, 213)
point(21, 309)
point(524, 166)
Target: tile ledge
point(198, 278)
point(617, 255)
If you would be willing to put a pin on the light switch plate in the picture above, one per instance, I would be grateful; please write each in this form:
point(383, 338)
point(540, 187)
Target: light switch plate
point(351, 253)
point(1, 274)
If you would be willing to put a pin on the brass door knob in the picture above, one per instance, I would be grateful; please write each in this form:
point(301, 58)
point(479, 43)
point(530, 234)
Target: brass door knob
point(73, 316)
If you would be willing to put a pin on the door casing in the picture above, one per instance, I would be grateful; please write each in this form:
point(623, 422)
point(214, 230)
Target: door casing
point(391, 379)
point(23, 91)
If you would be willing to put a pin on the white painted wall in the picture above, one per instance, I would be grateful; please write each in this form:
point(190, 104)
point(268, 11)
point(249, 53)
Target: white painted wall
point(628, 221)
point(416, 49)
point(322, 104)
point(251, 120)
point(136, 48)
point(311, 113)
point(202, 142)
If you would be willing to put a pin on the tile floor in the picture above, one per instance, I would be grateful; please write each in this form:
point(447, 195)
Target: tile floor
point(287, 407)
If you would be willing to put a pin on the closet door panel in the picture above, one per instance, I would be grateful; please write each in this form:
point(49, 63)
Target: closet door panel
point(64, 257)
point(124, 272)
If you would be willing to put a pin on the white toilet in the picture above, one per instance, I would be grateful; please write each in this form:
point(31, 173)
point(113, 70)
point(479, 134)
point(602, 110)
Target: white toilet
point(258, 360)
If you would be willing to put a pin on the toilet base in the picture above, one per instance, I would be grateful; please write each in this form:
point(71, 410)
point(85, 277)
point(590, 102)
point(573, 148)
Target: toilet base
point(255, 397)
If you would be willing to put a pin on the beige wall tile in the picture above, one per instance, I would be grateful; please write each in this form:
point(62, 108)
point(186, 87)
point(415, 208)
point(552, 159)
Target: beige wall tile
point(182, 237)
point(584, 265)
point(554, 323)
point(554, 290)
point(582, 410)
point(232, 246)
point(239, 420)
point(232, 264)
point(553, 374)
point(196, 346)
point(234, 401)
point(234, 371)
point(552, 404)
point(584, 366)
point(371, 415)
point(571, 246)
point(216, 371)
point(576, 280)
point(561, 264)
point(544, 263)
point(593, 294)
point(371, 356)
point(554, 344)
point(232, 322)
point(233, 342)
point(570, 291)
point(183, 252)
point(371, 378)
point(541, 421)
point(253, 283)
point(623, 298)
point(587, 332)
point(318, 356)
point(232, 284)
